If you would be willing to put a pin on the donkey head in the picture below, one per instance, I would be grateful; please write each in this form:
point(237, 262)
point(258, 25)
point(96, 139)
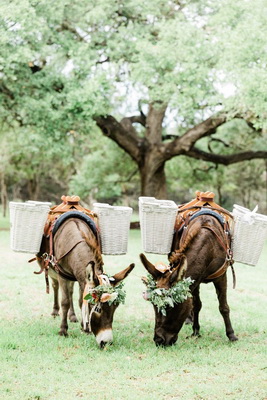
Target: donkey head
point(101, 297)
point(168, 290)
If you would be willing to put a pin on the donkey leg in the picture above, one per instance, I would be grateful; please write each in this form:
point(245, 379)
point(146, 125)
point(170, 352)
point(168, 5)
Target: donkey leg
point(221, 290)
point(197, 305)
point(55, 286)
point(72, 316)
point(65, 305)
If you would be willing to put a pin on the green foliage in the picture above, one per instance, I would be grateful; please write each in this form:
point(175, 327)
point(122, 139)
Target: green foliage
point(83, 55)
point(105, 173)
point(243, 183)
point(241, 40)
point(117, 294)
point(64, 63)
point(164, 298)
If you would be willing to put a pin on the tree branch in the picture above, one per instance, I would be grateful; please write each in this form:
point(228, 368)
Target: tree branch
point(128, 179)
point(213, 139)
point(226, 159)
point(66, 26)
point(123, 134)
point(5, 90)
point(140, 119)
point(184, 143)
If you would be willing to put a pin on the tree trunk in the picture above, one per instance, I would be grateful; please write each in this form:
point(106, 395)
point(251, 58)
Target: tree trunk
point(3, 195)
point(153, 181)
point(152, 163)
point(33, 188)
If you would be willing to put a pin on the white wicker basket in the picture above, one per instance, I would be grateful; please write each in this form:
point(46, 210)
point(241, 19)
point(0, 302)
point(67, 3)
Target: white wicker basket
point(157, 220)
point(38, 203)
point(27, 221)
point(114, 225)
point(250, 232)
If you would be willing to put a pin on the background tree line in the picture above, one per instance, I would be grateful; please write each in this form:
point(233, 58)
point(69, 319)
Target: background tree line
point(178, 90)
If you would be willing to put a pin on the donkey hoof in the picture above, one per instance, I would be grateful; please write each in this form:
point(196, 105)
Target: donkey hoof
point(73, 318)
point(63, 332)
point(232, 338)
point(196, 335)
point(55, 313)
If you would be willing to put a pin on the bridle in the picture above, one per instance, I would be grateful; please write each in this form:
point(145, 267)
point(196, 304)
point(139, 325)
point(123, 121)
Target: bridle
point(86, 314)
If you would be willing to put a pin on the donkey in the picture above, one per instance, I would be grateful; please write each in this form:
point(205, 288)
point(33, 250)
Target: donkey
point(201, 254)
point(77, 257)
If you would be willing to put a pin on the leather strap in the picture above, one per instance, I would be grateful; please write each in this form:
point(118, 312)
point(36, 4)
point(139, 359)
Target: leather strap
point(225, 246)
point(220, 271)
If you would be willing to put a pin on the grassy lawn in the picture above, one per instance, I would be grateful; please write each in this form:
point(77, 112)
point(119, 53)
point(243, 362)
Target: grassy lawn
point(37, 364)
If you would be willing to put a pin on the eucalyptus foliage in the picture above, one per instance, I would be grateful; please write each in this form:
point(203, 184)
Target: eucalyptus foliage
point(163, 298)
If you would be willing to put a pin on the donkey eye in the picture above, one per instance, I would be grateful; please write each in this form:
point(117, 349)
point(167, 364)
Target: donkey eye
point(98, 309)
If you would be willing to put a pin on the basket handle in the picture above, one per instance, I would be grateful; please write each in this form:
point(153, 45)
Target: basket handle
point(249, 216)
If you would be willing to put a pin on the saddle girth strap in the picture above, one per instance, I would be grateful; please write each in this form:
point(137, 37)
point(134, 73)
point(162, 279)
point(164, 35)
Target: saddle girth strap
point(219, 271)
point(222, 270)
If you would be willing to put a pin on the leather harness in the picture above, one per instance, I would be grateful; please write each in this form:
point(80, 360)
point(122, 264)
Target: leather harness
point(46, 260)
point(225, 244)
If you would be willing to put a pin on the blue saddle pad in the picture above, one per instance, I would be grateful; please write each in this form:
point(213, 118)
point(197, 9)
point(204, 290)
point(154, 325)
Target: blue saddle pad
point(208, 212)
point(75, 214)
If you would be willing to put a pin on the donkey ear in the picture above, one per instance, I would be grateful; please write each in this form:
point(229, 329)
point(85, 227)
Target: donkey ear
point(115, 279)
point(91, 274)
point(179, 272)
point(150, 267)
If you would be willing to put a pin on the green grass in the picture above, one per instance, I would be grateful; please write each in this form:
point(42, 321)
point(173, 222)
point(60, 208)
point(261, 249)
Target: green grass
point(37, 364)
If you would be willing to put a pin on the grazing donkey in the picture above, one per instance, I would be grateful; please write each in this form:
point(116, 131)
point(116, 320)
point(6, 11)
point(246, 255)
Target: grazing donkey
point(200, 255)
point(76, 256)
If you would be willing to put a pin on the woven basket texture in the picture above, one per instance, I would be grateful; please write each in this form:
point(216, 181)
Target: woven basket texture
point(114, 226)
point(157, 220)
point(45, 203)
point(250, 233)
point(27, 221)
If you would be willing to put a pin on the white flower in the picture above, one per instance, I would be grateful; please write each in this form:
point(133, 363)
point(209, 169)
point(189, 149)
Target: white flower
point(108, 297)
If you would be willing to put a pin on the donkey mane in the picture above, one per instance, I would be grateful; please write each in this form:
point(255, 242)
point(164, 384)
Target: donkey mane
point(191, 234)
point(94, 246)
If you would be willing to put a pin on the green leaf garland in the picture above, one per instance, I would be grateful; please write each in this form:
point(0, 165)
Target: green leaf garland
point(163, 298)
point(117, 294)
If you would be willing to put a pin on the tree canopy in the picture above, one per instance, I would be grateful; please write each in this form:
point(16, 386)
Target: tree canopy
point(158, 78)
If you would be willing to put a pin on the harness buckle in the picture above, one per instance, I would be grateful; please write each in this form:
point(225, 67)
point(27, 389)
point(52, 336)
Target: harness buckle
point(51, 259)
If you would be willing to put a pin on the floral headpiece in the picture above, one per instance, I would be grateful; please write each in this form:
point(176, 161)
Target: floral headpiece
point(163, 298)
point(106, 293)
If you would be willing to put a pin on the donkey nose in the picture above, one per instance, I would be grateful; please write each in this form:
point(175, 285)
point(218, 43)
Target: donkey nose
point(104, 337)
point(165, 340)
point(159, 340)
